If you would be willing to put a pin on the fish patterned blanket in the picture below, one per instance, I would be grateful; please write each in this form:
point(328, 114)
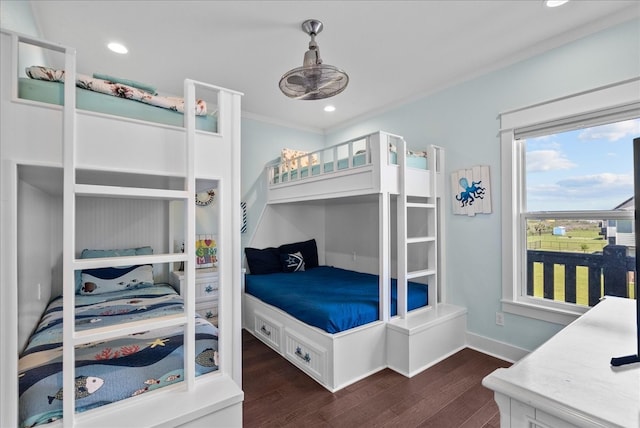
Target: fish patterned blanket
point(112, 370)
point(116, 89)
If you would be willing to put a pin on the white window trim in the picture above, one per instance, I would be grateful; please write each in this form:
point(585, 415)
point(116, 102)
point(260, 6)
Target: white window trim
point(621, 97)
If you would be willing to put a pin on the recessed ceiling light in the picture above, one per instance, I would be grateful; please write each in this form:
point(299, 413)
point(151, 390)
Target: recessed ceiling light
point(555, 3)
point(329, 108)
point(118, 48)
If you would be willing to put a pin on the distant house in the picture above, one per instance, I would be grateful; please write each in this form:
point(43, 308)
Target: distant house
point(621, 232)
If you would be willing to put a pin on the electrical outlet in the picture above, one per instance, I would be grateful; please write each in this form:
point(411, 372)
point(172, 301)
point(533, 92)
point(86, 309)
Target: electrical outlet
point(499, 318)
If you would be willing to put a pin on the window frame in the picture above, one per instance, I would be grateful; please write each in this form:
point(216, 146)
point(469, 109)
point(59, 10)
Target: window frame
point(611, 103)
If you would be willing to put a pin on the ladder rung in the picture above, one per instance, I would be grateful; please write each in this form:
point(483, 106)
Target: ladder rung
point(420, 273)
point(419, 239)
point(420, 205)
point(103, 262)
point(111, 332)
point(129, 192)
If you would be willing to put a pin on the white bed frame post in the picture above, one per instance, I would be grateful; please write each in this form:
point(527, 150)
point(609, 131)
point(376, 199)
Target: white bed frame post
point(190, 215)
point(237, 276)
point(384, 259)
point(402, 228)
point(376, 145)
point(69, 239)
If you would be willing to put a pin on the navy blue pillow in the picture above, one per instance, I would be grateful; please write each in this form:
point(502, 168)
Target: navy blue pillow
point(308, 249)
point(263, 261)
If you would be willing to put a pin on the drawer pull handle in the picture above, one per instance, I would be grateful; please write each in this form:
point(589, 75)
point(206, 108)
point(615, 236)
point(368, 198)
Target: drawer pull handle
point(265, 331)
point(209, 289)
point(209, 315)
point(305, 357)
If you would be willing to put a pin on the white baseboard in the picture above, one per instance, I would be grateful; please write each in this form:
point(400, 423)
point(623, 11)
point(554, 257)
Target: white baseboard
point(495, 348)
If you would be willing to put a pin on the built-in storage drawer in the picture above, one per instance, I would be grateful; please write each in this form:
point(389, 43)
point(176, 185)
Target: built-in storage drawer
point(269, 331)
point(209, 311)
point(309, 357)
point(206, 288)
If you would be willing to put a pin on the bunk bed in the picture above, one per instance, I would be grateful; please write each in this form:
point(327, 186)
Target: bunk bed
point(400, 333)
point(65, 310)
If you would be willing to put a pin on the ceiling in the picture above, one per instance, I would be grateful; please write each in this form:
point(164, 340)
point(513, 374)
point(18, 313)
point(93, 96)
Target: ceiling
point(393, 51)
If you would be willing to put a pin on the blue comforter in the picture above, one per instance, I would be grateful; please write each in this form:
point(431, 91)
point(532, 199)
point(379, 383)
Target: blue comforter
point(109, 371)
point(329, 298)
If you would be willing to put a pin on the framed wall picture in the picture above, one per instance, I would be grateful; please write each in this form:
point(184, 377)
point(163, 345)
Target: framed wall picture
point(206, 251)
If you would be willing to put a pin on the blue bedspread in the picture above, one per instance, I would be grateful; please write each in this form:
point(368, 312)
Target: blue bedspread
point(329, 298)
point(109, 371)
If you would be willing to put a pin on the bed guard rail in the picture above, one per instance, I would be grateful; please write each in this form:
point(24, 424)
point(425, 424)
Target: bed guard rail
point(374, 148)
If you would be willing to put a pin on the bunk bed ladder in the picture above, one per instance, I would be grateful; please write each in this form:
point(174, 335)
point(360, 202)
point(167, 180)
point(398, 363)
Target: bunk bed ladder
point(72, 190)
point(422, 246)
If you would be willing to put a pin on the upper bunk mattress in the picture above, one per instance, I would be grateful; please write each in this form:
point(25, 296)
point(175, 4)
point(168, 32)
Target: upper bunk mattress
point(329, 298)
point(53, 93)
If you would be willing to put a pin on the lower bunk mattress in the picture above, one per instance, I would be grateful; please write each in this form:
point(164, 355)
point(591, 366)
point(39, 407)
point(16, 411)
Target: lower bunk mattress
point(330, 298)
point(113, 370)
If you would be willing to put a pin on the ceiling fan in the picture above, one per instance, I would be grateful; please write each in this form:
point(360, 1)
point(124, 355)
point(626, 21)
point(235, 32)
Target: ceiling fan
point(314, 80)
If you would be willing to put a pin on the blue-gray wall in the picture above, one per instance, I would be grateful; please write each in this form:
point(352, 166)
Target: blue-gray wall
point(261, 144)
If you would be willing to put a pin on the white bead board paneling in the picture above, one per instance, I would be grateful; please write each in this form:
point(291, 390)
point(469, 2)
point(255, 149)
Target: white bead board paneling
point(111, 223)
point(471, 191)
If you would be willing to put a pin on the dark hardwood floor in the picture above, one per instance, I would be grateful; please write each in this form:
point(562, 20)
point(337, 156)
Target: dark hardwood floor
point(448, 394)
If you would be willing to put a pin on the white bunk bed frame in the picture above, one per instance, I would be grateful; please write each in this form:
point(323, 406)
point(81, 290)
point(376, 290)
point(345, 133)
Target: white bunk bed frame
point(42, 135)
point(411, 341)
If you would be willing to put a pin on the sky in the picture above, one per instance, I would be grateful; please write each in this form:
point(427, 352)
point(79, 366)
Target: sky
point(586, 169)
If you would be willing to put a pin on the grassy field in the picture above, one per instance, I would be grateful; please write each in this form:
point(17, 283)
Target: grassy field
point(579, 237)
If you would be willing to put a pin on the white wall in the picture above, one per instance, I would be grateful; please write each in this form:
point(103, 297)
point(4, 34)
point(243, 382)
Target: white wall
point(288, 223)
point(37, 228)
point(464, 120)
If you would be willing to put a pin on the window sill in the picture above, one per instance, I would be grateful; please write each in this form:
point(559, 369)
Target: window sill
point(543, 313)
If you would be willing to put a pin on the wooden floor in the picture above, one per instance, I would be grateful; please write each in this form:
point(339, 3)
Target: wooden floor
point(448, 394)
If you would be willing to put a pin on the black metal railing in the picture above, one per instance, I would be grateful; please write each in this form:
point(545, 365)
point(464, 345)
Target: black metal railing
point(608, 272)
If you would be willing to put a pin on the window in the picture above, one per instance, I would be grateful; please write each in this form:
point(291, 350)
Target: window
point(567, 171)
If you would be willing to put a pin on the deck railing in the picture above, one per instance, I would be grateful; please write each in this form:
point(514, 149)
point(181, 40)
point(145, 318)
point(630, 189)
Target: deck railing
point(609, 273)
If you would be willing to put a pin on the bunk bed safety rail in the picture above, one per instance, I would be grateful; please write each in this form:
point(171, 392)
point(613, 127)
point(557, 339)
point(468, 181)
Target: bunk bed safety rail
point(347, 155)
point(355, 153)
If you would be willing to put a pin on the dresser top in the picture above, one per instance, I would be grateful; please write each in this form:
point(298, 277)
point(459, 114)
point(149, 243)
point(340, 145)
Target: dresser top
point(571, 372)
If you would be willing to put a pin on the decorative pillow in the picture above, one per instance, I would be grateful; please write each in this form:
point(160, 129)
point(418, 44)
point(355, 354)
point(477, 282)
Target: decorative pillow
point(106, 280)
point(124, 252)
point(308, 249)
point(263, 261)
point(420, 154)
point(292, 155)
point(292, 262)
